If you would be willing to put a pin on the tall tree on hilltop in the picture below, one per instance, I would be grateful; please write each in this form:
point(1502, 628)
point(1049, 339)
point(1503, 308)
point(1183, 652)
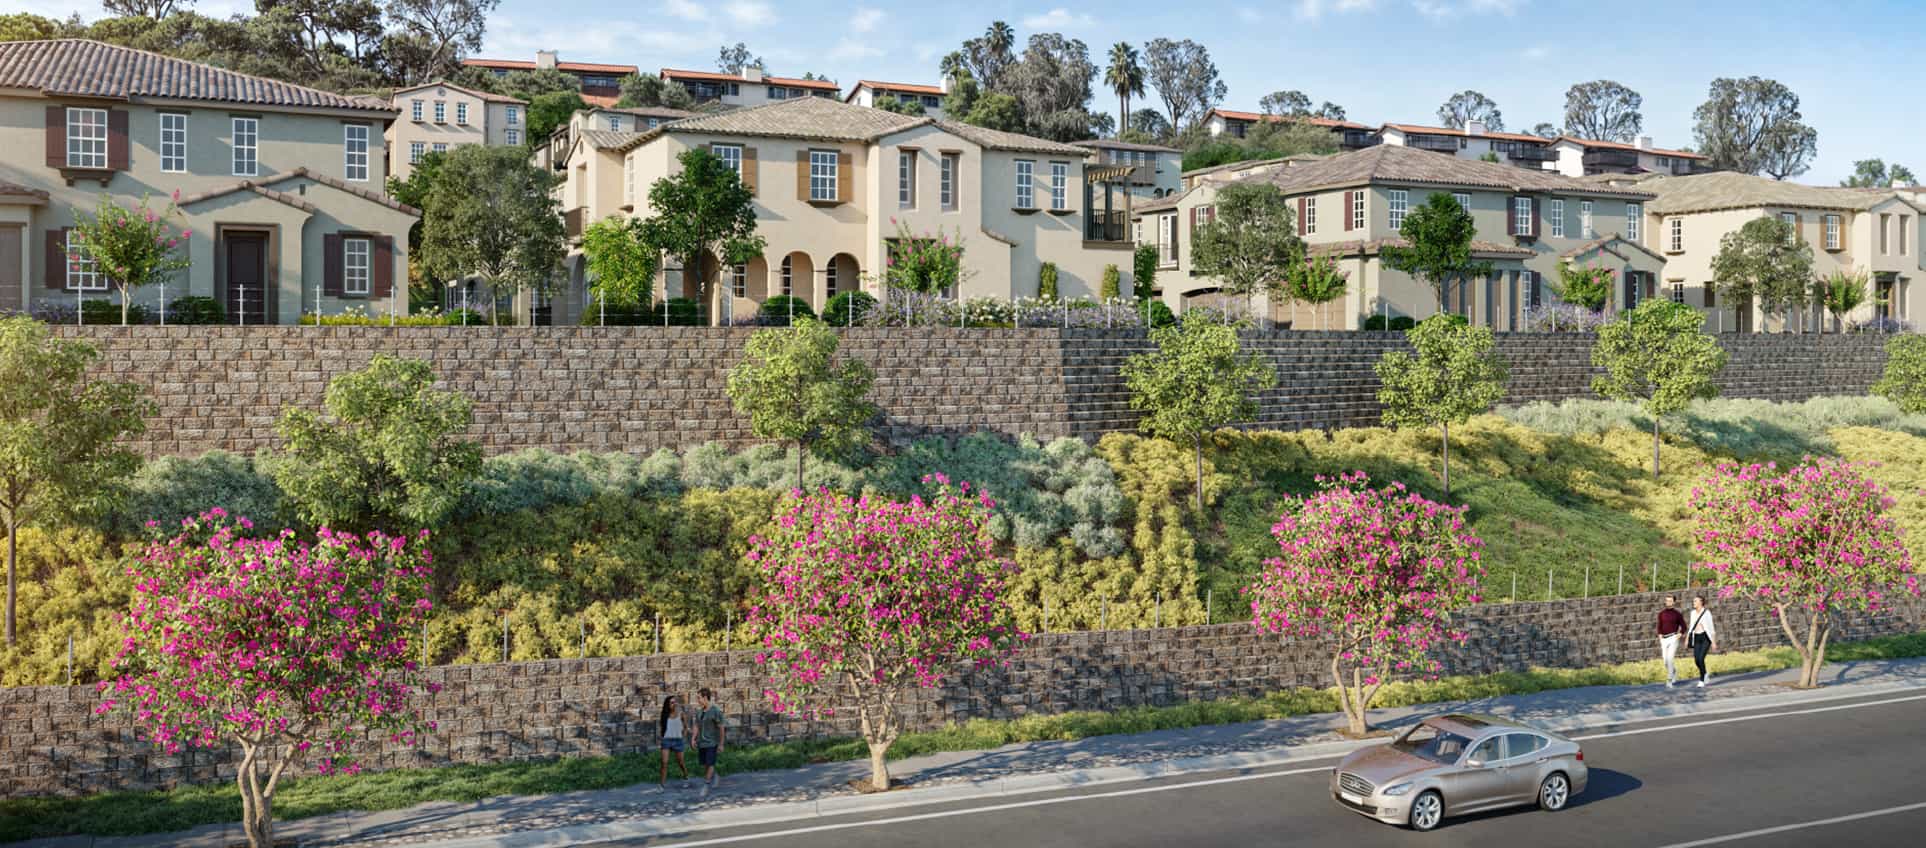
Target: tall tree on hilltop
point(1329, 111)
point(1125, 76)
point(1546, 129)
point(987, 56)
point(1291, 104)
point(1603, 110)
point(438, 32)
point(151, 9)
point(1467, 106)
point(1753, 126)
point(1052, 84)
point(1874, 173)
point(1186, 80)
point(731, 60)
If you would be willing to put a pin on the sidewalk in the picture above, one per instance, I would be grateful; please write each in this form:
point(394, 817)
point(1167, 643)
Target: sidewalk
point(581, 817)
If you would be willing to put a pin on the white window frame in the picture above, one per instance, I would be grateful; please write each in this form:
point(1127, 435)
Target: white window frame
point(1026, 197)
point(416, 150)
point(461, 114)
point(1585, 230)
point(1633, 213)
point(1464, 201)
point(1832, 232)
point(615, 123)
point(1357, 209)
point(946, 181)
point(906, 179)
point(1678, 292)
point(86, 137)
point(739, 280)
point(173, 142)
point(1310, 215)
point(1397, 207)
point(82, 275)
point(829, 276)
point(440, 147)
point(1676, 234)
point(1059, 186)
point(247, 146)
point(1791, 220)
point(441, 111)
point(513, 136)
point(1521, 215)
point(822, 175)
point(788, 270)
point(354, 161)
point(415, 108)
point(357, 266)
point(730, 154)
point(1167, 240)
point(628, 180)
point(1557, 218)
point(514, 115)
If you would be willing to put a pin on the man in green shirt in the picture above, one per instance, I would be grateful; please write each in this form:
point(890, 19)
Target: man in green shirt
point(709, 735)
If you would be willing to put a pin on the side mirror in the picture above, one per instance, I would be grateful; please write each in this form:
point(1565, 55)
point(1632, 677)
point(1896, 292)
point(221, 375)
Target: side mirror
point(1474, 762)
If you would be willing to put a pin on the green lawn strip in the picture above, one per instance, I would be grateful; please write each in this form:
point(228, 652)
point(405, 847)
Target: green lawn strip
point(131, 813)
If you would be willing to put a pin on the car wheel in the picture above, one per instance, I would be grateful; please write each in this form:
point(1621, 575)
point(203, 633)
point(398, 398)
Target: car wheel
point(1427, 811)
point(1555, 792)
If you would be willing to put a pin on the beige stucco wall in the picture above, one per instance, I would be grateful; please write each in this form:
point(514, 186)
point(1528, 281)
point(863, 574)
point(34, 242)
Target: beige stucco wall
point(487, 123)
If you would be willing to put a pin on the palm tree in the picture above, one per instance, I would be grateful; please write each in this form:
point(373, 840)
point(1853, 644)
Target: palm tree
point(952, 66)
point(1125, 76)
point(1000, 38)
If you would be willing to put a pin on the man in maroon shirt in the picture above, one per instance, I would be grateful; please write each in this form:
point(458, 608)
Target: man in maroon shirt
point(1671, 631)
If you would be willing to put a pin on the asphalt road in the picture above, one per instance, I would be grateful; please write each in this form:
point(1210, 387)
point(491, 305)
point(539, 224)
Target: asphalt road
point(1836, 773)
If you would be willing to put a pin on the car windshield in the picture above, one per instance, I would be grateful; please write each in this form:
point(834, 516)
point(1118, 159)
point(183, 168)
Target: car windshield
point(1432, 743)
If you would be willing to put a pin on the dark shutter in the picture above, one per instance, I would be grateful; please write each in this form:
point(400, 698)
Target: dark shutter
point(56, 137)
point(332, 262)
point(1535, 217)
point(1511, 217)
point(56, 277)
point(117, 155)
point(844, 167)
point(1349, 199)
point(382, 276)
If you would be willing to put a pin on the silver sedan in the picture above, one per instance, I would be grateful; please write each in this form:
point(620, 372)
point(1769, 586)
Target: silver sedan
point(1457, 764)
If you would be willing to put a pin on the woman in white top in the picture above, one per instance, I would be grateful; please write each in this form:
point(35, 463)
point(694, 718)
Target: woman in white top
point(1704, 638)
point(673, 740)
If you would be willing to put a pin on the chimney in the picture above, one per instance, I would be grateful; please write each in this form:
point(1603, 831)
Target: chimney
point(946, 83)
point(752, 73)
point(1474, 128)
point(545, 59)
point(1645, 142)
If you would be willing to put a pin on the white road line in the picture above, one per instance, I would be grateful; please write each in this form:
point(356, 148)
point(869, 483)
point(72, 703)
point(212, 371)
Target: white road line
point(1169, 787)
point(1767, 831)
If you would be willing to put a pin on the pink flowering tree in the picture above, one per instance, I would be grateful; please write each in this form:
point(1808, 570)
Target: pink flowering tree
point(129, 247)
point(290, 650)
point(1377, 574)
point(866, 599)
point(1811, 542)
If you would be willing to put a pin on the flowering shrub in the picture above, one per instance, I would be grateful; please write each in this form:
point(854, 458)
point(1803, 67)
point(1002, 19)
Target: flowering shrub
point(1562, 318)
point(1810, 542)
point(286, 648)
point(870, 597)
point(924, 263)
point(1376, 573)
point(130, 247)
point(1585, 286)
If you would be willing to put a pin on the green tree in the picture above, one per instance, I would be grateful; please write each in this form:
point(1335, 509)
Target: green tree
point(1660, 356)
point(702, 209)
point(60, 432)
point(1455, 374)
point(1753, 126)
point(1143, 271)
point(490, 214)
point(1467, 106)
point(996, 111)
point(1437, 245)
point(1583, 285)
point(793, 388)
point(621, 265)
point(1765, 262)
point(645, 90)
point(1267, 140)
point(1873, 173)
point(1125, 77)
point(390, 453)
point(1250, 244)
point(1112, 286)
point(1047, 281)
point(528, 85)
point(1185, 78)
point(547, 112)
point(1317, 281)
point(1841, 292)
point(1603, 110)
point(891, 103)
point(1197, 380)
point(1904, 382)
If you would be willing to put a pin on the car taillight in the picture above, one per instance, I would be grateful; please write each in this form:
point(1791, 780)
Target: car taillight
point(1581, 755)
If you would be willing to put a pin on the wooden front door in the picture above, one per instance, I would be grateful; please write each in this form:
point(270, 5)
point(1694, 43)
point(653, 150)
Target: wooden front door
point(244, 259)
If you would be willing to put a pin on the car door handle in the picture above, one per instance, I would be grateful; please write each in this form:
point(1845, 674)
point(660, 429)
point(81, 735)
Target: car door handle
point(1543, 760)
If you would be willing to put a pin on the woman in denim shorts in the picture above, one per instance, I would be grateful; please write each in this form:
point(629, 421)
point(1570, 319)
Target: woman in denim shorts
point(674, 739)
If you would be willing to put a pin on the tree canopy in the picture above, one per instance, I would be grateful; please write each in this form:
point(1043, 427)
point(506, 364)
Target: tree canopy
point(794, 388)
point(1437, 247)
point(1185, 78)
point(1467, 106)
point(703, 208)
point(1198, 379)
point(1249, 244)
point(490, 214)
point(1875, 173)
point(1453, 373)
point(1660, 356)
point(1603, 110)
point(1753, 126)
point(1764, 262)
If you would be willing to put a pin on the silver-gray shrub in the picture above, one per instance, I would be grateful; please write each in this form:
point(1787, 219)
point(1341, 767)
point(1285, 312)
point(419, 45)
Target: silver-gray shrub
point(1737, 427)
point(537, 479)
point(171, 488)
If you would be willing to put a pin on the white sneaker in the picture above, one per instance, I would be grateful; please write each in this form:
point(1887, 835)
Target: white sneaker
point(1669, 683)
point(1701, 683)
point(705, 790)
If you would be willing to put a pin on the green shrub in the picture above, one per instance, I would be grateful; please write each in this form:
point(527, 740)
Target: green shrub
point(107, 312)
point(777, 311)
point(1143, 271)
point(195, 309)
point(477, 318)
point(1112, 286)
point(539, 479)
point(1047, 281)
point(848, 308)
point(1160, 314)
point(613, 315)
point(1402, 323)
point(169, 489)
point(1904, 382)
point(681, 312)
point(1375, 323)
point(72, 582)
point(1737, 428)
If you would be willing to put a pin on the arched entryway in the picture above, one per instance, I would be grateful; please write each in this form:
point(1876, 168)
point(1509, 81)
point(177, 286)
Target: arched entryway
point(841, 274)
point(796, 277)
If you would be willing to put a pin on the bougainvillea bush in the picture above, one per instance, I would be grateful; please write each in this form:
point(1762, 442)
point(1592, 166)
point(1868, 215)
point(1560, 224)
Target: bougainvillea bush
point(1375, 573)
point(288, 649)
point(866, 599)
point(1812, 542)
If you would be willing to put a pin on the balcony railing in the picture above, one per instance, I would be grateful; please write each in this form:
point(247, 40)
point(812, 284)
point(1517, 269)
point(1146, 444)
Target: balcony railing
point(1438, 143)
point(1610, 159)
point(1101, 226)
point(1533, 154)
point(1357, 139)
point(572, 221)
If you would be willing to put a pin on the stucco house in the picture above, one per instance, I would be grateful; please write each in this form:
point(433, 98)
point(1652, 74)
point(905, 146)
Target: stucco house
point(930, 97)
point(1350, 135)
point(750, 88)
point(601, 82)
point(281, 187)
point(1158, 170)
point(437, 117)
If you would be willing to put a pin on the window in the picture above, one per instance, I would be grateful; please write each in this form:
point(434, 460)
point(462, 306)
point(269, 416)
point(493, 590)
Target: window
point(1678, 292)
point(788, 275)
point(1585, 220)
point(173, 142)
point(730, 154)
point(1557, 218)
point(514, 137)
point(441, 112)
point(822, 175)
point(82, 275)
point(1522, 744)
point(1665, 161)
point(1167, 239)
point(1357, 209)
point(739, 280)
point(86, 138)
point(247, 137)
point(829, 276)
point(1534, 289)
point(1059, 186)
point(355, 145)
point(441, 147)
point(461, 114)
point(356, 266)
point(1310, 215)
point(414, 110)
point(514, 114)
point(1521, 216)
point(1832, 232)
point(415, 151)
point(1904, 222)
point(1399, 204)
point(946, 182)
point(615, 123)
point(1633, 212)
point(931, 101)
point(1025, 190)
point(1464, 201)
point(906, 178)
point(1885, 226)
point(1711, 297)
point(628, 180)
point(1431, 743)
point(654, 122)
point(1791, 220)
point(1675, 236)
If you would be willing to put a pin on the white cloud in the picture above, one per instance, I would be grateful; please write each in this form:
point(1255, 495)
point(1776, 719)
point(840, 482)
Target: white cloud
point(850, 50)
point(1057, 19)
point(1249, 15)
point(750, 13)
point(866, 20)
point(1538, 52)
point(1440, 9)
point(1312, 10)
point(688, 10)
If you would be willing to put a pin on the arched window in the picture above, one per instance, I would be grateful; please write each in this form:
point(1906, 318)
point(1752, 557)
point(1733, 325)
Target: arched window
point(786, 272)
point(829, 275)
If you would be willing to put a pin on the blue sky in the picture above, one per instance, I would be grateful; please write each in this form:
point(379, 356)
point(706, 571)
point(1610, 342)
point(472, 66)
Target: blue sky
point(1383, 60)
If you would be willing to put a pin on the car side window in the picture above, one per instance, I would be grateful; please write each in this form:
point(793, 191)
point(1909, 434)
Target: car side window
point(1488, 751)
point(1523, 744)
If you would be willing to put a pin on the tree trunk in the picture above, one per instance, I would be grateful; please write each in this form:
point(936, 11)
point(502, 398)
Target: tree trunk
point(799, 465)
point(1445, 451)
point(1655, 447)
point(1200, 487)
point(124, 298)
point(878, 766)
point(13, 557)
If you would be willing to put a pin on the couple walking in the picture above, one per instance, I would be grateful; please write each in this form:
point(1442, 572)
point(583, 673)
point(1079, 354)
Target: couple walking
point(674, 729)
point(1697, 630)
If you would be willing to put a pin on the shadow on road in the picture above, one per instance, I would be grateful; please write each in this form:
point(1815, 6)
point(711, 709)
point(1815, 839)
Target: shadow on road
point(1604, 785)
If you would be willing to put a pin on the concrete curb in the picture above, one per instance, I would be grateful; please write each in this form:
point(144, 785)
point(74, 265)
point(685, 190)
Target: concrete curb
point(838, 805)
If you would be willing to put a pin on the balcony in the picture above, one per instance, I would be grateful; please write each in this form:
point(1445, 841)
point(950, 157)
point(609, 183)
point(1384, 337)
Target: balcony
point(1532, 154)
point(1610, 159)
point(1102, 226)
point(1435, 143)
point(572, 222)
point(1357, 139)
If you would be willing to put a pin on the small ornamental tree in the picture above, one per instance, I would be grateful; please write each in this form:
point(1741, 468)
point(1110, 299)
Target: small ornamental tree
point(1250, 243)
point(621, 267)
point(1904, 381)
point(792, 387)
point(1841, 292)
point(1317, 281)
point(1811, 542)
point(703, 209)
point(1112, 286)
point(1456, 374)
point(290, 650)
point(1377, 574)
point(1437, 248)
point(1763, 262)
point(130, 247)
point(1588, 286)
point(1197, 380)
point(926, 264)
point(1143, 271)
point(1659, 355)
point(865, 599)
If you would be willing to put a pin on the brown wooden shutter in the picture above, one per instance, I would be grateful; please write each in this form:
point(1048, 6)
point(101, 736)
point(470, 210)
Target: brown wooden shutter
point(1845, 234)
point(802, 175)
point(56, 137)
point(331, 264)
point(845, 164)
point(1348, 209)
point(1799, 227)
point(1536, 216)
point(381, 251)
point(749, 169)
point(1193, 219)
point(56, 276)
point(1302, 202)
point(117, 153)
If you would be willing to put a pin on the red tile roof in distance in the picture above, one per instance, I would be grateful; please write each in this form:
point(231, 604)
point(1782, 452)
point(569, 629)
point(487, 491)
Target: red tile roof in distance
point(672, 73)
point(82, 68)
point(1233, 115)
point(578, 67)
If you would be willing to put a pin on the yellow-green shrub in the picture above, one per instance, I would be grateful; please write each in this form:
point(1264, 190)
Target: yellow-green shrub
point(71, 583)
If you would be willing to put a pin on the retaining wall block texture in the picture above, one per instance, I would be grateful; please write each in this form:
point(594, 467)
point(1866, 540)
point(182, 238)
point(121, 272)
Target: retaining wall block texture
point(638, 389)
point(52, 743)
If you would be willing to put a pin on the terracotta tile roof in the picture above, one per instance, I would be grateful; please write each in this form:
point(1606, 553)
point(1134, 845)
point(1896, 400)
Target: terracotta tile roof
point(826, 85)
point(1009, 141)
point(1501, 136)
point(1479, 248)
point(249, 186)
point(1619, 145)
point(1728, 190)
point(661, 112)
point(1112, 144)
point(1613, 244)
point(577, 67)
point(1160, 204)
point(905, 87)
point(78, 67)
point(1393, 163)
point(485, 95)
point(368, 194)
point(15, 192)
point(1254, 117)
point(600, 101)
